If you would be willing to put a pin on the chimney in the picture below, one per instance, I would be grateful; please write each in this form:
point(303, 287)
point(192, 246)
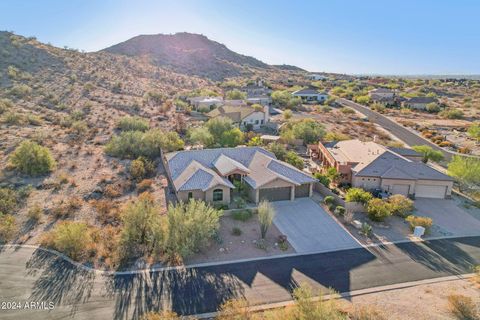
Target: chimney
point(266, 110)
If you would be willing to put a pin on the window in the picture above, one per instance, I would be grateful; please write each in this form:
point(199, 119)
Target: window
point(256, 121)
point(190, 195)
point(261, 121)
point(217, 195)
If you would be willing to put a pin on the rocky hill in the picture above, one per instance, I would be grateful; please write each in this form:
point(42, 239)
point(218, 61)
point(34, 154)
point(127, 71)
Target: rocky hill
point(191, 54)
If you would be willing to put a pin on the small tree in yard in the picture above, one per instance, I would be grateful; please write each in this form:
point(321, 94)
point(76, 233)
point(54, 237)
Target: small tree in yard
point(189, 227)
point(32, 159)
point(142, 225)
point(400, 205)
point(358, 195)
point(378, 209)
point(265, 217)
point(428, 153)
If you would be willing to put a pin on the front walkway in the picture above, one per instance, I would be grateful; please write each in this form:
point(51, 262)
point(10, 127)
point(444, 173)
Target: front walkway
point(309, 228)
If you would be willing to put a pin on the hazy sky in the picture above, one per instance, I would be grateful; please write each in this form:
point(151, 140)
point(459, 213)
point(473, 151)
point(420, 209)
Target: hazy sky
point(357, 36)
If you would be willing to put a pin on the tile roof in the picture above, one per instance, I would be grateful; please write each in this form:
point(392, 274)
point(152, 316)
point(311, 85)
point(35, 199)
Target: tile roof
point(262, 166)
point(236, 113)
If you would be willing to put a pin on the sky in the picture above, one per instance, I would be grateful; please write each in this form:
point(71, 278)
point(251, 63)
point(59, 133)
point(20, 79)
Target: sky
point(404, 37)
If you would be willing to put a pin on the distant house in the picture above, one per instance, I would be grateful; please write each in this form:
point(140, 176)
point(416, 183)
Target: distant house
point(209, 174)
point(316, 77)
point(369, 165)
point(263, 100)
point(419, 103)
point(311, 95)
point(243, 116)
point(210, 103)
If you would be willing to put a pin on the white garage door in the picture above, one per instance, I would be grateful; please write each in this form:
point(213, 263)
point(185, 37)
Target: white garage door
point(400, 189)
point(428, 191)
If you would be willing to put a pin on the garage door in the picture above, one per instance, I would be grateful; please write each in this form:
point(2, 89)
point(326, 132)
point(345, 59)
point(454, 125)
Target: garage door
point(400, 189)
point(275, 194)
point(302, 191)
point(429, 191)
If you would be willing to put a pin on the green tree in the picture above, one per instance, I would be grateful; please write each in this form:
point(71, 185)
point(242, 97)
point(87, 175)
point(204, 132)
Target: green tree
point(358, 195)
point(32, 159)
point(278, 150)
point(236, 95)
point(333, 174)
point(323, 179)
point(433, 107)
point(428, 153)
point(255, 141)
point(293, 159)
point(309, 130)
point(71, 238)
point(363, 99)
point(224, 133)
point(266, 213)
point(201, 136)
point(189, 227)
point(474, 131)
point(142, 225)
point(465, 169)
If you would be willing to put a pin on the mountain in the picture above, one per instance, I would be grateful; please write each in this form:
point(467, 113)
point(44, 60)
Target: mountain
point(288, 67)
point(190, 54)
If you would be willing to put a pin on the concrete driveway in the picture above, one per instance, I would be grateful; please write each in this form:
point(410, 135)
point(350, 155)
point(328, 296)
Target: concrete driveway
point(309, 228)
point(449, 218)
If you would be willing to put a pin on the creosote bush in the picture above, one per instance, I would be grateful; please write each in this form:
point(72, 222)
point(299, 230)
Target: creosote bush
point(133, 124)
point(32, 159)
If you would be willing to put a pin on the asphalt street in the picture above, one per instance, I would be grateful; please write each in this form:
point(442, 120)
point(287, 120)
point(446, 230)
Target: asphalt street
point(32, 275)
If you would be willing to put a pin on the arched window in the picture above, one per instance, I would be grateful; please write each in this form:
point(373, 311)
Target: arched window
point(217, 195)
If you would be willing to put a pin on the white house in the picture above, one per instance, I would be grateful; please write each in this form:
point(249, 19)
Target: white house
point(382, 93)
point(263, 100)
point(311, 95)
point(205, 102)
point(316, 77)
point(243, 116)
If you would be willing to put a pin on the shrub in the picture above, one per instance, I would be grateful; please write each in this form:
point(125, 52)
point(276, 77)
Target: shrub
point(35, 212)
point(8, 227)
point(32, 159)
point(278, 150)
point(137, 169)
point(366, 229)
point(71, 238)
point(400, 205)
point(463, 307)
point(358, 195)
point(132, 124)
point(309, 130)
point(240, 203)
point(293, 159)
point(79, 127)
point(347, 110)
point(5, 105)
point(329, 200)
point(452, 113)
point(378, 210)
point(144, 185)
point(339, 210)
point(8, 201)
point(13, 118)
point(323, 179)
point(162, 315)
point(433, 107)
point(416, 221)
point(266, 212)
point(236, 231)
point(242, 215)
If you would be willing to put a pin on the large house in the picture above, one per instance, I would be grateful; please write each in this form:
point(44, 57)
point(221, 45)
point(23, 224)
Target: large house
point(419, 103)
point(208, 103)
point(382, 95)
point(209, 175)
point(246, 117)
point(369, 165)
point(311, 95)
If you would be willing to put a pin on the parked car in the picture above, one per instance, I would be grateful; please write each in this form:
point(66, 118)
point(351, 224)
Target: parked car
point(379, 193)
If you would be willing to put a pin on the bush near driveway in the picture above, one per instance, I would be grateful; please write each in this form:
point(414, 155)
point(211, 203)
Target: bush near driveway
point(416, 221)
point(378, 210)
point(400, 205)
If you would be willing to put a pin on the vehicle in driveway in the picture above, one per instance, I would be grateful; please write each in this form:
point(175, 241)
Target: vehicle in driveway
point(309, 228)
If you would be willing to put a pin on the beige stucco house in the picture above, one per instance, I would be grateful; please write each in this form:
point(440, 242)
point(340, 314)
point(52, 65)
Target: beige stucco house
point(209, 175)
point(243, 116)
point(369, 165)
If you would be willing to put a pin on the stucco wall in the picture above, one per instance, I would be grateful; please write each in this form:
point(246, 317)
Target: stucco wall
point(226, 194)
point(250, 119)
point(197, 194)
point(277, 183)
point(366, 182)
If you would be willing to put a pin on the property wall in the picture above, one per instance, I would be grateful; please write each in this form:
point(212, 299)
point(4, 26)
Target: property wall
point(366, 182)
point(324, 191)
point(226, 194)
point(197, 194)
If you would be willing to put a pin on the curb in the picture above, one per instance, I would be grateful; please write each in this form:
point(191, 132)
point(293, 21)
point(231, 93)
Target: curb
point(219, 263)
point(348, 294)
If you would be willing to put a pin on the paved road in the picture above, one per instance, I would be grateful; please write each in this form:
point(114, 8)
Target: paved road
point(396, 129)
point(28, 275)
point(309, 228)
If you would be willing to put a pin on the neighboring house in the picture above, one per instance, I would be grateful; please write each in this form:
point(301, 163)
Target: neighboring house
point(209, 103)
point(209, 175)
point(316, 77)
point(419, 103)
point(382, 92)
point(255, 90)
point(311, 95)
point(370, 166)
point(237, 102)
point(243, 116)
